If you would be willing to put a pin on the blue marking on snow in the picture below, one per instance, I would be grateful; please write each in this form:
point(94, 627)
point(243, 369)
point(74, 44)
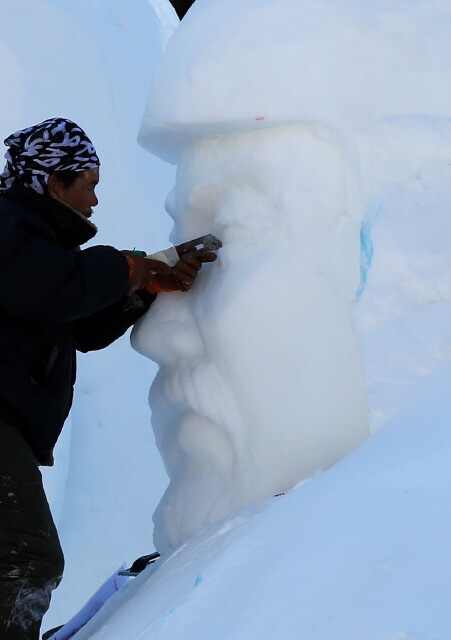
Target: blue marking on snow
point(198, 580)
point(366, 244)
point(366, 256)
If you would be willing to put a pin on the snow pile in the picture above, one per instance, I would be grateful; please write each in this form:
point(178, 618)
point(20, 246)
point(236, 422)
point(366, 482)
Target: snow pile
point(361, 552)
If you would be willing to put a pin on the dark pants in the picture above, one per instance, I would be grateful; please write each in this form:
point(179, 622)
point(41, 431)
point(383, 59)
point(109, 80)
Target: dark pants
point(31, 559)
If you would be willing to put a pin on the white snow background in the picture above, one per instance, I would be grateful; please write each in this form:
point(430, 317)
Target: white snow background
point(360, 552)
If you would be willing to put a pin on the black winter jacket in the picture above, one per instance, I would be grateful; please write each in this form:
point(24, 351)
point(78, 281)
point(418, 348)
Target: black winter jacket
point(54, 299)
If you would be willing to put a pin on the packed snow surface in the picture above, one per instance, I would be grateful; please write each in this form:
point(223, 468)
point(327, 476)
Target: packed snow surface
point(361, 551)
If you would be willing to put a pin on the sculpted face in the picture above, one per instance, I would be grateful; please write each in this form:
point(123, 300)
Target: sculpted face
point(260, 382)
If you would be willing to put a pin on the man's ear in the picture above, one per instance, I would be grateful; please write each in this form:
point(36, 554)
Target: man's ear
point(53, 186)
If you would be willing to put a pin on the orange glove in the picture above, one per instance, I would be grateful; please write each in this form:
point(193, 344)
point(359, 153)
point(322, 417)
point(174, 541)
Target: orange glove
point(156, 276)
point(143, 271)
point(184, 273)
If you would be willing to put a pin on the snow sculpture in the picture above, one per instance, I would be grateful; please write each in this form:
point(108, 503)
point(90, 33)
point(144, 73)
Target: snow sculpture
point(263, 105)
point(260, 381)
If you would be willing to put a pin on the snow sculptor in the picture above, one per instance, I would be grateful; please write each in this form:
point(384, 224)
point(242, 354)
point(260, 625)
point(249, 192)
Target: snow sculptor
point(260, 382)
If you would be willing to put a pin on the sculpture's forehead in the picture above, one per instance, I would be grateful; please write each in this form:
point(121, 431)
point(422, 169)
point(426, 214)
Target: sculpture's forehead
point(244, 64)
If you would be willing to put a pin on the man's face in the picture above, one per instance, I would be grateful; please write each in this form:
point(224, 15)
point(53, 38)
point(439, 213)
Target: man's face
point(80, 196)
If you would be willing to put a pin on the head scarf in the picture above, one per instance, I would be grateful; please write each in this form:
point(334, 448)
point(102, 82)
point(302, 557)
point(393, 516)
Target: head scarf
point(46, 148)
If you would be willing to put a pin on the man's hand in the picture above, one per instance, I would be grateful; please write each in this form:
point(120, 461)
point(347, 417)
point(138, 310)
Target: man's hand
point(184, 273)
point(143, 271)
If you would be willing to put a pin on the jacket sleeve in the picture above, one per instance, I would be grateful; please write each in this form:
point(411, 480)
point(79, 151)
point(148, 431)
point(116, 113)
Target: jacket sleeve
point(105, 326)
point(41, 282)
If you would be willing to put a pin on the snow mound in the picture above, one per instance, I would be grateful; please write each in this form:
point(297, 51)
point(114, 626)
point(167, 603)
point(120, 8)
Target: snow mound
point(359, 552)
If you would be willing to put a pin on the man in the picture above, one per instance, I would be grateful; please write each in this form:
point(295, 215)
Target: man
point(54, 299)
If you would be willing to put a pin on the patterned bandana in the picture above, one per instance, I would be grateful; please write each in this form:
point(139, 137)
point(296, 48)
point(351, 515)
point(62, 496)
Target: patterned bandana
point(51, 146)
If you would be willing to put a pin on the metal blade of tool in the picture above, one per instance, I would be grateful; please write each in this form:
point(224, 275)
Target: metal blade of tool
point(195, 248)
